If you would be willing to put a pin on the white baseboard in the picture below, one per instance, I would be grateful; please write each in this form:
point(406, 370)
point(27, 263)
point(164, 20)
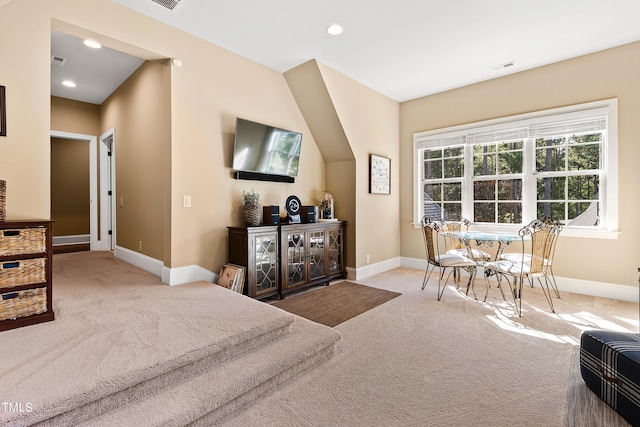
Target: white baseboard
point(145, 262)
point(80, 239)
point(193, 273)
point(375, 268)
point(187, 274)
point(169, 276)
point(576, 286)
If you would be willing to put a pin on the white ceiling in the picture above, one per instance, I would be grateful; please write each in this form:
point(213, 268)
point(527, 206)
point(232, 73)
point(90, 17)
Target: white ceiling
point(96, 72)
point(406, 49)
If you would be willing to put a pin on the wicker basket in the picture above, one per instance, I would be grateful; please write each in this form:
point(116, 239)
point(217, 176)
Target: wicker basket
point(3, 199)
point(23, 241)
point(22, 272)
point(23, 303)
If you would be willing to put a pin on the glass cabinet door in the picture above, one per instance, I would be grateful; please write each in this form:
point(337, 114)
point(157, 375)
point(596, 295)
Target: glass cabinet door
point(266, 262)
point(296, 257)
point(336, 242)
point(316, 254)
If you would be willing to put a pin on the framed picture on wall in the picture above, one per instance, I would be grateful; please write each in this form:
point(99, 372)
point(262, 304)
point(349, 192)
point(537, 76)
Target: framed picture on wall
point(379, 174)
point(3, 112)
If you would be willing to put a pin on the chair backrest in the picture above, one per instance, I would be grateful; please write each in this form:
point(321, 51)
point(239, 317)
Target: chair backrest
point(430, 242)
point(541, 236)
point(556, 228)
point(453, 242)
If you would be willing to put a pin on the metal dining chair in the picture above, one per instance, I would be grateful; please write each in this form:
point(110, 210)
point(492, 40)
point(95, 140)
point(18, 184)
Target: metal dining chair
point(514, 272)
point(548, 261)
point(430, 232)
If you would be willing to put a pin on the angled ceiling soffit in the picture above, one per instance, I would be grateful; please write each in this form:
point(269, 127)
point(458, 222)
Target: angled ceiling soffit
point(313, 98)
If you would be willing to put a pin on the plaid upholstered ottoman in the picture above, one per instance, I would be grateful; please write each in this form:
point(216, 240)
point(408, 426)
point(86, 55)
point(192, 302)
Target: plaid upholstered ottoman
point(610, 366)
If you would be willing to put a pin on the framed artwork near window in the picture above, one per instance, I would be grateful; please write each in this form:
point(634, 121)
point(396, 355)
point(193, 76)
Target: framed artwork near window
point(3, 112)
point(379, 174)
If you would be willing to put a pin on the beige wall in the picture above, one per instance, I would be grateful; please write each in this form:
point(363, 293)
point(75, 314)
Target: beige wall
point(351, 121)
point(207, 93)
point(138, 111)
point(370, 122)
point(75, 117)
point(609, 74)
point(70, 187)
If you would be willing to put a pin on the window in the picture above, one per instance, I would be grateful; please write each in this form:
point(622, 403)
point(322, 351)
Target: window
point(560, 163)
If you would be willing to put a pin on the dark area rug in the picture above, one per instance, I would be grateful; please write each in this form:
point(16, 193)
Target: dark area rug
point(336, 303)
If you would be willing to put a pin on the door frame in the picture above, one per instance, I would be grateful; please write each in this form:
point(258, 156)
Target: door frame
point(93, 182)
point(108, 201)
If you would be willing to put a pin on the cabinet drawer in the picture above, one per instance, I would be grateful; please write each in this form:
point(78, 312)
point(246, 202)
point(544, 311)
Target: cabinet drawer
point(22, 272)
point(22, 241)
point(23, 303)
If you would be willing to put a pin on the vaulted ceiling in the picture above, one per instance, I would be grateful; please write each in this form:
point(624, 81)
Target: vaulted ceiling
point(404, 49)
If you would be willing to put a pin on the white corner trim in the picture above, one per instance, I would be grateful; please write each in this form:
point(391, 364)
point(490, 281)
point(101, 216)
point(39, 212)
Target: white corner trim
point(375, 268)
point(169, 276)
point(145, 262)
point(71, 240)
point(187, 274)
point(598, 289)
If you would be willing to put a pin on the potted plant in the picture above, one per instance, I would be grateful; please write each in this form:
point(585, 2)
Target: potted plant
point(251, 209)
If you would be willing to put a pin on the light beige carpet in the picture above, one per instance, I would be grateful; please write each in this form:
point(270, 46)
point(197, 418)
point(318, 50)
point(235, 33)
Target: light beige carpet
point(415, 361)
point(117, 325)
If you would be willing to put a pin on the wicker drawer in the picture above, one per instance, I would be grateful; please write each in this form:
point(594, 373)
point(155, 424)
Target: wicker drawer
point(23, 241)
point(23, 303)
point(22, 272)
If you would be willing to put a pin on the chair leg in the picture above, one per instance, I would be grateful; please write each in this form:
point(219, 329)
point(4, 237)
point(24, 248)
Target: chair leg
point(553, 282)
point(440, 285)
point(486, 282)
point(472, 277)
point(547, 292)
point(427, 275)
point(516, 292)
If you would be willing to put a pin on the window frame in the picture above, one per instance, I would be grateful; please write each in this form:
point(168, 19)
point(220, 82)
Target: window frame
point(464, 133)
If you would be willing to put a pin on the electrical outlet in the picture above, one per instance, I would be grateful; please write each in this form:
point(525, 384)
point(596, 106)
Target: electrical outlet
point(186, 201)
point(121, 202)
point(368, 258)
point(140, 245)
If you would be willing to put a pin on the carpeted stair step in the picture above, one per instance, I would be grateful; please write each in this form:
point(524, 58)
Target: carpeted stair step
point(91, 369)
point(203, 399)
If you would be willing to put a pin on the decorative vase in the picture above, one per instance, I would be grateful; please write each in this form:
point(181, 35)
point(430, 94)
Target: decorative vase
point(3, 199)
point(326, 206)
point(252, 214)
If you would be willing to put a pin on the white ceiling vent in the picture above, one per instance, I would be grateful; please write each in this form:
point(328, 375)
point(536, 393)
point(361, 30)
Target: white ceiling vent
point(58, 60)
point(169, 4)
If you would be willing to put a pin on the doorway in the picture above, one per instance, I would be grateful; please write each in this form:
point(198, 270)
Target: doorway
point(94, 243)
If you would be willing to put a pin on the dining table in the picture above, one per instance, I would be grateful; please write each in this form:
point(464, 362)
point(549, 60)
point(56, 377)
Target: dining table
point(484, 239)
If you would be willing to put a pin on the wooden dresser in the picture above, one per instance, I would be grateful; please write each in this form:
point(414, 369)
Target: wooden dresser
point(25, 273)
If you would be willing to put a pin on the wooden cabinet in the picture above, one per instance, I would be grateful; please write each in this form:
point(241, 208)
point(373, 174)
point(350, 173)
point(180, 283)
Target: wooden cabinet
point(281, 259)
point(25, 273)
point(311, 254)
point(256, 248)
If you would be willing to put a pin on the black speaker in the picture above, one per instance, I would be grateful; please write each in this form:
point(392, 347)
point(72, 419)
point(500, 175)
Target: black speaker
point(270, 215)
point(308, 214)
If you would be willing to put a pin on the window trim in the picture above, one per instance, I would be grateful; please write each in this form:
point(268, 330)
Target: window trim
point(610, 161)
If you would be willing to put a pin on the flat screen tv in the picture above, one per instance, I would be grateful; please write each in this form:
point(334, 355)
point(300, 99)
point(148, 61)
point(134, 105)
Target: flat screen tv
point(265, 152)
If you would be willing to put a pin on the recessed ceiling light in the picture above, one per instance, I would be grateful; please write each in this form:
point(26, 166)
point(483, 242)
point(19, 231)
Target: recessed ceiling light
point(334, 29)
point(69, 83)
point(92, 44)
